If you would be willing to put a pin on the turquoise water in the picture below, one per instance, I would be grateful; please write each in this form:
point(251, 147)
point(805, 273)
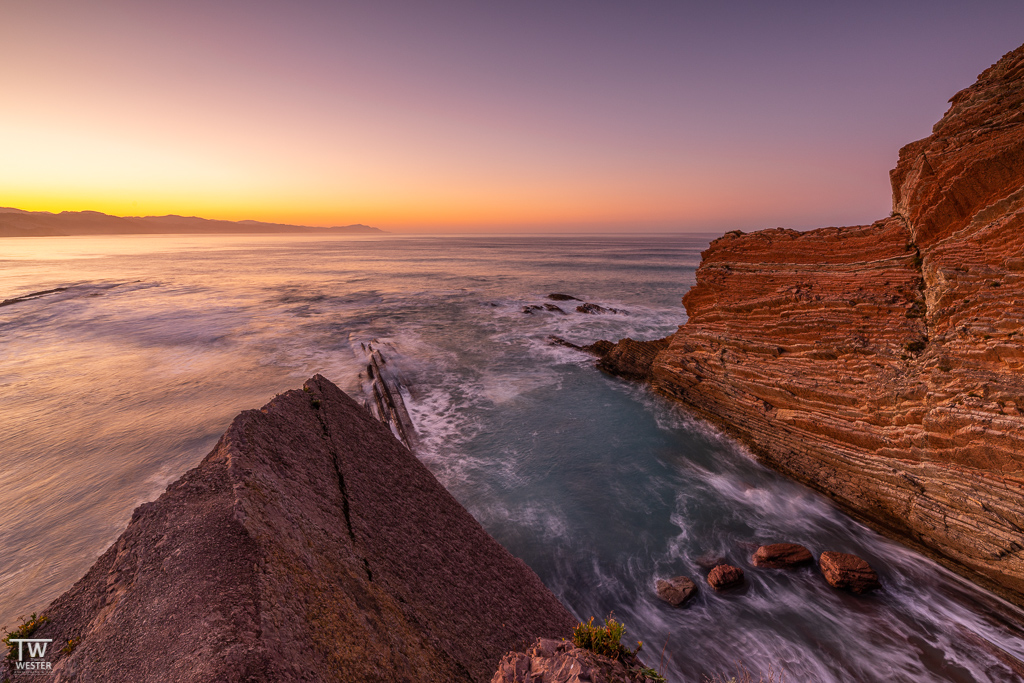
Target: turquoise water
point(114, 387)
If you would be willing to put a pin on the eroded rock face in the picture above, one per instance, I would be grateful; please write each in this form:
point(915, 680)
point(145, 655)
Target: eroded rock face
point(559, 661)
point(782, 556)
point(630, 359)
point(884, 364)
point(848, 572)
point(309, 545)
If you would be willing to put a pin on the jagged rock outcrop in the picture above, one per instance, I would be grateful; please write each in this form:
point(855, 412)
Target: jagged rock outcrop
point(625, 358)
point(308, 545)
point(884, 364)
point(558, 661)
point(630, 359)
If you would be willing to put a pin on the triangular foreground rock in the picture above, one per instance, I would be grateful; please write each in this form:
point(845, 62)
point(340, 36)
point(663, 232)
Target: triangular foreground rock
point(309, 545)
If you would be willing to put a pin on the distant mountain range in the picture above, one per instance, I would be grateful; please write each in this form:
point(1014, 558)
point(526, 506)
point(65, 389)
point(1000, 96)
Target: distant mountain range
point(18, 223)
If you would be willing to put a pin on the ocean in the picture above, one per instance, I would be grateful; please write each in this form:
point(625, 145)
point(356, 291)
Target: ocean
point(124, 378)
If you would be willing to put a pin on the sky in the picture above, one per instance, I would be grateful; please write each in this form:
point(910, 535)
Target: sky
point(534, 116)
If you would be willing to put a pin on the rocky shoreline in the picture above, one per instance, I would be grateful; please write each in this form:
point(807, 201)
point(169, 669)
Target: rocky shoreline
point(882, 364)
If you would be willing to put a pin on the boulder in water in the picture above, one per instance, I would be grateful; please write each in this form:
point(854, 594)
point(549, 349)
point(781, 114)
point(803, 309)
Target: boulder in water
point(782, 556)
point(562, 297)
point(725, 576)
point(676, 591)
point(594, 309)
point(848, 572)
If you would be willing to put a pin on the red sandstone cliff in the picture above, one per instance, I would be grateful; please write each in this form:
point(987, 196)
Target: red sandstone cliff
point(884, 364)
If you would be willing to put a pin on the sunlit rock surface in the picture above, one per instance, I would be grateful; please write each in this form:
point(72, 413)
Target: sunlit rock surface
point(884, 364)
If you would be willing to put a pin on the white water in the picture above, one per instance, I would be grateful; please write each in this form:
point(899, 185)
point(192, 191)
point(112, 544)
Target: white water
point(114, 387)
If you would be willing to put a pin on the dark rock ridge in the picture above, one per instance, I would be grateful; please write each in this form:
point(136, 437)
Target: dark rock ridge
point(883, 364)
point(625, 358)
point(308, 545)
point(382, 393)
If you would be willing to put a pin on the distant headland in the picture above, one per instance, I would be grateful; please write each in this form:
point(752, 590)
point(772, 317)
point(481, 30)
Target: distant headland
point(19, 223)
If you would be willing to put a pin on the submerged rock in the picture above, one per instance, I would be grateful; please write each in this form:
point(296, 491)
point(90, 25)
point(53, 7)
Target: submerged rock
point(598, 348)
point(308, 545)
point(725, 576)
point(562, 297)
point(594, 309)
point(782, 556)
point(848, 572)
point(676, 591)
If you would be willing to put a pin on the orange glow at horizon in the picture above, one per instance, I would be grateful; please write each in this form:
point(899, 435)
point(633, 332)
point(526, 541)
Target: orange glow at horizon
point(466, 118)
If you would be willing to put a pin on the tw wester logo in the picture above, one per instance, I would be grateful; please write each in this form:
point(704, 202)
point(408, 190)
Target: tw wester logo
point(35, 663)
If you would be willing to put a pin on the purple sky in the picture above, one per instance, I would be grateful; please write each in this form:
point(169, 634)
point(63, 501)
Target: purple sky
point(481, 115)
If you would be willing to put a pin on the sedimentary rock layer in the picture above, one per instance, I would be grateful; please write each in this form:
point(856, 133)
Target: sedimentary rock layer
point(309, 545)
point(884, 364)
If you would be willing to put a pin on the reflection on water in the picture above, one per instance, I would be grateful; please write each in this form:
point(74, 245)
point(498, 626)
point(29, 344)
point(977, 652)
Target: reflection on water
point(115, 386)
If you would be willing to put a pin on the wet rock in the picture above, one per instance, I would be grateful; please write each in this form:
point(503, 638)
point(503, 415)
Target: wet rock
point(598, 348)
point(782, 556)
point(631, 359)
point(33, 295)
point(562, 297)
point(531, 308)
point(594, 309)
point(382, 393)
point(628, 358)
point(676, 591)
point(308, 545)
point(554, 309)
point(848, 572)
point(725, 576)
point(559, 341)
point(559, 661)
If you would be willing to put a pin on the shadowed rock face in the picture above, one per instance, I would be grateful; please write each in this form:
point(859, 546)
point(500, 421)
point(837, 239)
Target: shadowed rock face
point(309, 545)
point(884, 364)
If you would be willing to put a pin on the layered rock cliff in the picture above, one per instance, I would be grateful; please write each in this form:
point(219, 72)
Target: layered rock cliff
point(884, 364)
point(308, 545)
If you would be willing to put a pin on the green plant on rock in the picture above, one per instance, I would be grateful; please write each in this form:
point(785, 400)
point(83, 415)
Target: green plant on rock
point(650, 674)
point(25, 630)
point(603, 640)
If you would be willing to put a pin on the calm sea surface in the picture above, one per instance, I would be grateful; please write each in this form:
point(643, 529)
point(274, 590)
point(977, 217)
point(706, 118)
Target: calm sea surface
point(113, 388)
